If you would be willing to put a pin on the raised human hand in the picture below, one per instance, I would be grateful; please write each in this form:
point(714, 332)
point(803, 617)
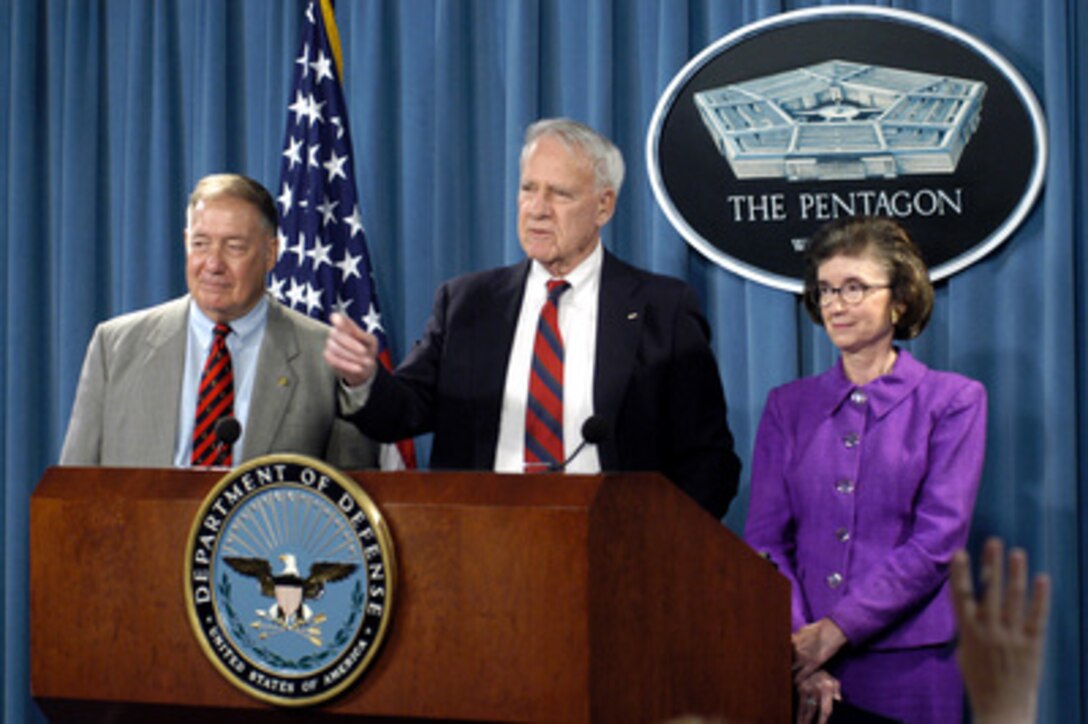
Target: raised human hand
point(1001, 634)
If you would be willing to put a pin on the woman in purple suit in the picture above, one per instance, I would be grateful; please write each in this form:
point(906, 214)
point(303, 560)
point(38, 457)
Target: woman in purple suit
point(863, 483)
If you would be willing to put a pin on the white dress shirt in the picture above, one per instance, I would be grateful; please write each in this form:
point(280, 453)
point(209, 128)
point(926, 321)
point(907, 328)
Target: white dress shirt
point(578, 326)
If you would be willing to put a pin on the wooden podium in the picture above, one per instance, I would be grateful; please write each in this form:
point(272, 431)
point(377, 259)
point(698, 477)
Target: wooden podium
point(563, 598)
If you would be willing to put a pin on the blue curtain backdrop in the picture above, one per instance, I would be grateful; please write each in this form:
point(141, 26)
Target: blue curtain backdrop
point(111, 109)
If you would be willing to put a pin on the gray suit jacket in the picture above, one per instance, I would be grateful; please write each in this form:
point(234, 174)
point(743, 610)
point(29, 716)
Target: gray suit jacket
point(127, 405)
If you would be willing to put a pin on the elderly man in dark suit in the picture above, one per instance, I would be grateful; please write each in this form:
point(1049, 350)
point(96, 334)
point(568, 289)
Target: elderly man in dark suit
point(505, 383)
point(139, 391)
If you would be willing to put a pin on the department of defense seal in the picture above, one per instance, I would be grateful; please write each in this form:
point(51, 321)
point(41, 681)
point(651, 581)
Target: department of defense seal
point(289, 579)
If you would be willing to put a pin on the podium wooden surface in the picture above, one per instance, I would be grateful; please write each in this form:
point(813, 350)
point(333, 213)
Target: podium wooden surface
point(520, 598)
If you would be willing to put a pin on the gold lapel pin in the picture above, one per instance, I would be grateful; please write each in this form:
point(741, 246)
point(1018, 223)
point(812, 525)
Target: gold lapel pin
point(282, 381)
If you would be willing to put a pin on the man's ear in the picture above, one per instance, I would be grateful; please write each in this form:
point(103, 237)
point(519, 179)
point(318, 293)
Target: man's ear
point(273, 251)
point(606, 206)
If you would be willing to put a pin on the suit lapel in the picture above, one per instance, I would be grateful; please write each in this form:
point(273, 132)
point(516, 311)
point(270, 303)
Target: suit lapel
point(619, 326)
point(274, 383)
point(491, 352)
point(163, 362)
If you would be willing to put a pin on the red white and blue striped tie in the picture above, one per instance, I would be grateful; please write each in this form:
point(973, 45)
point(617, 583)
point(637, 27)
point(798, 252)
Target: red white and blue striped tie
point(544, 411)
point(214, 401)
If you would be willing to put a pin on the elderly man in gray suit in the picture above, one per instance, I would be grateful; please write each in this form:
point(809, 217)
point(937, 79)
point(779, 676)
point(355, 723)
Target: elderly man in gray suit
point(139, 391)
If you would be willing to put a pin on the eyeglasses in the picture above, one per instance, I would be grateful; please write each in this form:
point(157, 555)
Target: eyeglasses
point(852, 292)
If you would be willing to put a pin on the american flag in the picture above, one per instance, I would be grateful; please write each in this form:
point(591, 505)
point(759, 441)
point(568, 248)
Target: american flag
point(324, 265)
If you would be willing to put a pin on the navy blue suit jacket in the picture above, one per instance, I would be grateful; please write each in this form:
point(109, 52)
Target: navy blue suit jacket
point(656, 380)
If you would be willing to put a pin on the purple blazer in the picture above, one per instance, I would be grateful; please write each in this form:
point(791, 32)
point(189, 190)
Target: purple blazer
point(861, 495)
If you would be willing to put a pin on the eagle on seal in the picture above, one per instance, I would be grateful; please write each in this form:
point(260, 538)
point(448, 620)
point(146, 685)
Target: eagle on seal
point(288, 586)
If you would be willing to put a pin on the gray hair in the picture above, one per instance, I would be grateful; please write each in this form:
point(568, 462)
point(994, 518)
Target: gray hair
point(606, 158)
point(234, 186)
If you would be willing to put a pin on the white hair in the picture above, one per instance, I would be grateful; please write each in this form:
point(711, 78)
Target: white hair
point(606, 158)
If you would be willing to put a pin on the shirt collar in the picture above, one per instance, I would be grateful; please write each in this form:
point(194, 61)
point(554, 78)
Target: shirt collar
point(589, 268)
point(883, 393)
point(245, 326)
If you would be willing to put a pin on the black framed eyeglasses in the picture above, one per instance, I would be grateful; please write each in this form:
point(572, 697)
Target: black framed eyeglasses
point(852, 292)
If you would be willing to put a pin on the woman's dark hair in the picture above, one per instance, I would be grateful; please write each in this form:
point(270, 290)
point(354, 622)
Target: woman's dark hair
point(888, 242)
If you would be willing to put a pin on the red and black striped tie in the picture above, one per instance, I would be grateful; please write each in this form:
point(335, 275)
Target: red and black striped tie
point(544, 410)
point(214, 401)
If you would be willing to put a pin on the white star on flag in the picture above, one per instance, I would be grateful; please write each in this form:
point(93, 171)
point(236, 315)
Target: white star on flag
point(355, 221)
point(293, 152)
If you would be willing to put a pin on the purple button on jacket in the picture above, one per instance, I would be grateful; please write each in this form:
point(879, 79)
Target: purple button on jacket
point(862, 494)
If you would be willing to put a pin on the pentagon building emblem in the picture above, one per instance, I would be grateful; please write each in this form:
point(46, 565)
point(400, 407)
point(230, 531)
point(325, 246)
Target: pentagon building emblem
point(813, 115)
point(289, 579)
point(842, 120)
